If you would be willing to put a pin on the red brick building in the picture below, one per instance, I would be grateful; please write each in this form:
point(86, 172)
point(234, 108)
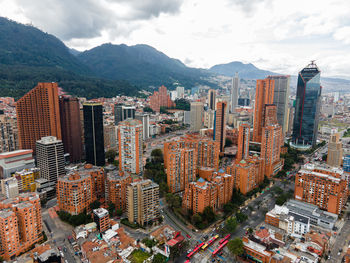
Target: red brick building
point(116, 186)
point(159, 99)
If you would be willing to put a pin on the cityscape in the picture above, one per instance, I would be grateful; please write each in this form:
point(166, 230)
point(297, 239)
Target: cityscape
point(171, 164)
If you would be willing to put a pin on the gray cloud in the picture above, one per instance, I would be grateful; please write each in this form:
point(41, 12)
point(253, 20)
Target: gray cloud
point(248, 6)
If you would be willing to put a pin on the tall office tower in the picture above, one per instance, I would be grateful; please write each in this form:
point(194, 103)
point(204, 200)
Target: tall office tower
point(234, 93)
point(144, 118)
point(243, 142)
point(212, 99)
point(93, 133)
point(71, 127)
point(196, 116)
point(10, 162)
point(75, 193)
point(290, 120)
point(50, 158)
point(116, 186)
point(322, 187)
point(110, 136)
point(281, 99)
point(220, 124)
point(9, 187)
point(20, 225)
point(209, 117)
point(142, 199)
point(263, 95)
point(346, 164)
point(130, 146)
point(335, 150)
point(123, 112)
point(8, 133)
point(181, 168)
point(38, 115)
point(307, 107)
point(180, 92)
point(159, 99)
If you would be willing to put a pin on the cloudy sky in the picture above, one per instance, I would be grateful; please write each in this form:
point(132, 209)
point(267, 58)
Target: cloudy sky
point(277, 35)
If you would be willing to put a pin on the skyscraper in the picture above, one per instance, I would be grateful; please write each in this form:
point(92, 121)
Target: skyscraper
point(243, 142)
point(144, 118)
point(307, 108)
point(50, 158)
point(180, 92)
point(123, 112)
point(220, 124)
point(263, 95)
point(38, 115)
point(93, 133)
point(335, 150)
point(71, 127)
point(281, 99)
point(212, 99)
point(196, 116)
point(234, 92)
point(130, 146)
point(346, 164)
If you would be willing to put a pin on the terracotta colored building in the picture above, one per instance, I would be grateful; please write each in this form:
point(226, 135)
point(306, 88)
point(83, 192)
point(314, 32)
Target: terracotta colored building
point(71, 127)
point(159, 99)
point(101, 218)
point(20, 224)
point(322, 187)
point(243, 142)
point(220, 124)
point(116, 186)
point(98, 179)
point(38, 115)
point(263, 95)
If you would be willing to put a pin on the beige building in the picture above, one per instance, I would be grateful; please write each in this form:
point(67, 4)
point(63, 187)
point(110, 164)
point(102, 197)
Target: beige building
point(142, 200)
point(335, 150)
point(9, 187)
point(209, 117)
point(8, 134)
point(196, 116)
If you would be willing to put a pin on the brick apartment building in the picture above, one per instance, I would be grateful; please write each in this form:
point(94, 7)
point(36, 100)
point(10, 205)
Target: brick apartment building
point(116, 186)
point(159, 99)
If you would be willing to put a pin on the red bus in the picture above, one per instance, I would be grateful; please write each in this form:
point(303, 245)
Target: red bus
point(224, 239)
point(219, 248)
point(195, 250)
point(210, 242)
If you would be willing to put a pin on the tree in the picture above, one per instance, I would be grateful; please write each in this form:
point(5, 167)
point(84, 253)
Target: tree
point(110, 155)
point(159, 258)
point(196, 219)
point(111, 208)
point(235, 246)
point(119, 212)
point(241, 217)
point(230, 225)
point(149, 242)
point(147, 109)
point(229, 208)
point(228, 142)
point(209, 214)
point(157, 153)
point(95, 204)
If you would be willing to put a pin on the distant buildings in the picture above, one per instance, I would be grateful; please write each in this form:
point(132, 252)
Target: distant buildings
point(93, 133)
point(130, 146)
point(234, 93)
point(9, 187)
point(144, 118)
point(10, 162)
point(8, 134)
point(180, 92)
point(123, 112)
point(212, 99)
point(307, 108)
point(220, 124)
point(38, 115)
point(159, 99)
point(196, 119)
point(335, 150)
point(142, 202)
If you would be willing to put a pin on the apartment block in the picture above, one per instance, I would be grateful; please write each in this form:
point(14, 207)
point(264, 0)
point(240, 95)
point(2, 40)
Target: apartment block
point(101, 218)
point(8, 133)
point(196, 116)
point(220, 124)
point(321, 186)
point(98, 179)
point(26, 178)
point(10, 162)
point(9, 187)
point(110, 137)
point(116, 186)
point(335, 150)
point(142, 202)
point(243, 142)
point(159, 99)
point(144, 118)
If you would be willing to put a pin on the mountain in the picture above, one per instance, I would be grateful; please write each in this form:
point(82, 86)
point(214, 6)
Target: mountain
point(245, 71)
point(141, 65)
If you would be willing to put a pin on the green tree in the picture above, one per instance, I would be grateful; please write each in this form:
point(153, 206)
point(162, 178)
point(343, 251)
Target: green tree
point(235, 246)
point(157, 153)
point(229, 208)
point(159, 258)
point(110, 155)
point(119, 212)
point(241, 217)
point(147, 109)
point(228, 142)
point(209, 214)
point(196, 219)
point(111, 208)
point(230, 225)
point(95, 204)
point(149, 242)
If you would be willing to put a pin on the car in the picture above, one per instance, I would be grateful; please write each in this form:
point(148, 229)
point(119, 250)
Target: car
point(65, 249)
point(187, 235)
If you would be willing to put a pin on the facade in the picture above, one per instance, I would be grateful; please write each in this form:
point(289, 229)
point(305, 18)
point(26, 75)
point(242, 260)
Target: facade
point(335, 150)
point(10, 162)
point(142, 202)
point(220, 124)
point(144, 118)
point(26, 179)
point(322, 187)
point(98, 179)
point(101, 218)
point(234, 93)
point(50, 158)
point(93, 133)
point(243, 142)
point(71, 127)
point(123, 112)
point(159, 99)
point(74, 193)
point(8, 134)
point(346, 164)
point(20, 224)
point(180, 92)
point(263, 95)
point(38, 115)
point(110, 136)
point(197, 113)
point(281, 99)
point(116, 186)
point(212, 99)
point(130, 146)
point(209, 117)
point(9, 187)
point(307, 108)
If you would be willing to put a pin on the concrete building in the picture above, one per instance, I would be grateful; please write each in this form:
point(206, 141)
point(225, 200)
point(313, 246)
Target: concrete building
point(26, 179)
point(130, 146)
point(116, 186)
point(220, 124)
point(187, 117)
point(9, 187)
point(101, 218)
point(346, 164)
point(212, 99)
point(143, 202)
point(180, 92)
point(209, 119)
point(10, 162)
point(144, 118)
point(123, 112)
point(50, 158)
point(110, 137)
point(243, 142)
point(234, 93)
point(197, 112)
point(159, 99)
point(335, 150)
point(8, 133)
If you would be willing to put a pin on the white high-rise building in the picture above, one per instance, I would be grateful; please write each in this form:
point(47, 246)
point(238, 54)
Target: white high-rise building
point(234, 92)
point(180, 92)
point(144, 118)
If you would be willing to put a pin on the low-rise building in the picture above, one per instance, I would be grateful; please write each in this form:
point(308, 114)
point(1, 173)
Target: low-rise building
point(26, 178)
point(11, 162)
point(101, 218)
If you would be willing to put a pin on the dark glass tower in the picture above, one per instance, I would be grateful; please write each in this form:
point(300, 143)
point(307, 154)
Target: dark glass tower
point(307, 107)
point(93, 134)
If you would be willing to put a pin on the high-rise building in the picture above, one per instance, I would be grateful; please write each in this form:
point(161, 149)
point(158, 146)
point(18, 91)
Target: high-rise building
point(20, 224)
point(71, 128)
point(196, 116)
point(322, 187)
point(116, 186)
point(10, 162)
point(98, 179)
point(220, 124)
point(110, 136)
point(130, 146)
point(8, 134)
point(144, 118)
point(243, 142)
point(50, 158)
point(123, 112)
point(335, 150)
point(212, 99)
point(93, 133)
point(159, 99)
point(290, 120)
point(234, 93)
point(281, 99)
point(180, 92)
point(209, 117)
point(101, 218)
point(38, 115)
point(346, 164)
point(307, 107)
point(9, 187)
point(142, 202)
point(263, 95)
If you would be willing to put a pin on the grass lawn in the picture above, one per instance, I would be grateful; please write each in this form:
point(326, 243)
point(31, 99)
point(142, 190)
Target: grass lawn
point(138, 256)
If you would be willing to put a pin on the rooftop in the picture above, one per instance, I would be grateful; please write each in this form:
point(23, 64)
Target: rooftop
point(15, 153)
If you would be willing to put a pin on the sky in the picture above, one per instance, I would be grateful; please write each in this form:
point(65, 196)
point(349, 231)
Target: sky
point(277, 35)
